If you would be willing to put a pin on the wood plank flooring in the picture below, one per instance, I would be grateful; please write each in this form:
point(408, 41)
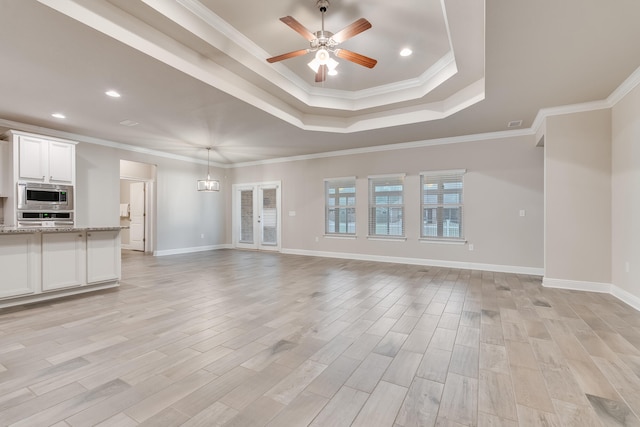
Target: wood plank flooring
point(234, 338)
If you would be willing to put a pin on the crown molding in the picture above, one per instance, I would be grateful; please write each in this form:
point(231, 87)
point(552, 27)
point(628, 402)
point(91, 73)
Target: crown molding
point(627, 86)
point(616, 96)
point(623, 90)
point(23, 127)
point(391, 147)
point(295, 86)
point(203, 23)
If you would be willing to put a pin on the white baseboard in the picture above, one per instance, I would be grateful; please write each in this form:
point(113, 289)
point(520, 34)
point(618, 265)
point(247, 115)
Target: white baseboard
point(181, 251)
point(577, 285)
point(533, 271)
point(626, 297)
point(123, 246)
point(606, 288)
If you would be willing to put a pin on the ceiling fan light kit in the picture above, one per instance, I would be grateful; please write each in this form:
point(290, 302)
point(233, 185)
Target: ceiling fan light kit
point(323, 43)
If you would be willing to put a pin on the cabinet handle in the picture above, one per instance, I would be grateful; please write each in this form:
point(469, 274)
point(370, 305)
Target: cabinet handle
point(79, 235)
point(88, 234)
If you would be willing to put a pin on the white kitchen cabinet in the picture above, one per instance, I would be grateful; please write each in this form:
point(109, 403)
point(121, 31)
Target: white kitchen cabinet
point(64, 260)
point(43, 160)
point(19, 264)
point(5, 170)
point(103, 256)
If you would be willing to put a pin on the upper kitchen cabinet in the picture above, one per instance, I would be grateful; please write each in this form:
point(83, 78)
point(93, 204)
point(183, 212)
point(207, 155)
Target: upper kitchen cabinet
point(39, 158)
point(43, 160)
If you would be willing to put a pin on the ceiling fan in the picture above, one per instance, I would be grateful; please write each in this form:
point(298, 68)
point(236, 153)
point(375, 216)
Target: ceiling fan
point(325, 42)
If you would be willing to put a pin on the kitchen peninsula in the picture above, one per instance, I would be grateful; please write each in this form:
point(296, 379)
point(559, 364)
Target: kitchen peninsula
point(43, 254)
point(40, 263)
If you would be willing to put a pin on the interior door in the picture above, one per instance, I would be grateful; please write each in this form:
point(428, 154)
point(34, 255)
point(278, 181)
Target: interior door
point(256, 216)
point(137, 216)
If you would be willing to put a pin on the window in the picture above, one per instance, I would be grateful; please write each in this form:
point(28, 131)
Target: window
point(441, 203)
point(340, 205)
point(386, 206)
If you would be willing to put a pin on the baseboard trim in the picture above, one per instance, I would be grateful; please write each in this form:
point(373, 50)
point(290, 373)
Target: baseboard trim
point(577, 285)
point(603, 288)
point(191, 250)
point(532, 271)
point(626, 297)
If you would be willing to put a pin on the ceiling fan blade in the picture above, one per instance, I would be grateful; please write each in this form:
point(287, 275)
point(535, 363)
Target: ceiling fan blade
point(351, 30)
point(321, 75)
point(287, 55)
point(365, 61)
point(298, 27)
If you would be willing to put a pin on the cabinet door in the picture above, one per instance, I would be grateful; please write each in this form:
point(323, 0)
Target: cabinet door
point(63, 260)
point(103, 256)
point(61, 162)
point(33, 158)
point(19, 264)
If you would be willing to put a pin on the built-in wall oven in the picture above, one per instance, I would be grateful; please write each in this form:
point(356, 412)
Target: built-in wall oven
point(42, 205)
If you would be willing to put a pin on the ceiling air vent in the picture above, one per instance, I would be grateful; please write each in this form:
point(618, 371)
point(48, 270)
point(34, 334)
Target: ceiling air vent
point(514, 124)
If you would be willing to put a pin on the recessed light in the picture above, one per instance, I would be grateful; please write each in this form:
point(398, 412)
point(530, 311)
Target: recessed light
point(59, 116)
point(129, 123)
point(112, 93)
point(406, 52)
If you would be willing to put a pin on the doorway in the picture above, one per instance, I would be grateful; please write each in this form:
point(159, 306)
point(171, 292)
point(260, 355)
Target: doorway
point(256, 216)
point(136, 207)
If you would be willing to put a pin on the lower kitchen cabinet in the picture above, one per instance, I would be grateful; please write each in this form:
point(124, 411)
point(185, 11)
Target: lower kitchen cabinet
point(46, 264)
point(103, 256)
point(19, 264)
point(64, 260)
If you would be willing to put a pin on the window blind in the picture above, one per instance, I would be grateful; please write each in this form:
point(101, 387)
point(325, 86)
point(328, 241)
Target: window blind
point(386, 206)
point(340, 205)
point(442, 208)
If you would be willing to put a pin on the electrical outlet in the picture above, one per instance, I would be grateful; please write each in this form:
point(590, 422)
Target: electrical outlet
point(317, 239)
point(202, 236)
point(522, 212)
point(470, 246)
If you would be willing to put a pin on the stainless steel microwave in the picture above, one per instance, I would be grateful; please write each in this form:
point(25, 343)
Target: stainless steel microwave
point(35, 196)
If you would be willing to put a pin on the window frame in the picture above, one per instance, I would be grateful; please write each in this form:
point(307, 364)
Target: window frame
point(335, 183)
point(390, 180)
point(440, 177)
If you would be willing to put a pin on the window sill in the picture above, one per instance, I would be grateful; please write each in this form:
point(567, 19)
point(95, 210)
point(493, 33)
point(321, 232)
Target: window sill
point(443, 241)
point(340, 236)
point(386, 239)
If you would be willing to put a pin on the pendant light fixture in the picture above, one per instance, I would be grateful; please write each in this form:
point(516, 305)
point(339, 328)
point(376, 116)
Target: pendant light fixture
point(208, 184)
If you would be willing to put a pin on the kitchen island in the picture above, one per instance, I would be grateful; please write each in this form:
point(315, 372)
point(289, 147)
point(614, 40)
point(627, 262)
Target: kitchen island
point(40, 263)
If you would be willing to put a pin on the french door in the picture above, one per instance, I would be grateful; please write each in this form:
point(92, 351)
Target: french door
point(256, 216)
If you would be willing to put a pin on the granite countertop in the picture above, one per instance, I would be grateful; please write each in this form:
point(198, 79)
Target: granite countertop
point(14, 230)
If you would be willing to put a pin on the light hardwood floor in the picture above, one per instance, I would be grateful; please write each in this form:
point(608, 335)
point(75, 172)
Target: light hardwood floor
point(252, 339)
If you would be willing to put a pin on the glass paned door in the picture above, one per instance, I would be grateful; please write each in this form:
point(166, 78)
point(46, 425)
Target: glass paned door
point(269, 218)
point(246, 216)
point(256, 216)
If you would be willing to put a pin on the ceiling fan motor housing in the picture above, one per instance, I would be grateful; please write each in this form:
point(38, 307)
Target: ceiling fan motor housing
point(323, 39)
point(322, 5)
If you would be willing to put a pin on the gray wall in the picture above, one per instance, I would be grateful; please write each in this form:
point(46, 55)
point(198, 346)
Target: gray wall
point(578, 197)
point(182, 214)
point(626, 194)
point(503, 177)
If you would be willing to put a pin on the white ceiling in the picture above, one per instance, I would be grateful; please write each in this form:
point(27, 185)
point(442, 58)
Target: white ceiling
point(193, 73)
